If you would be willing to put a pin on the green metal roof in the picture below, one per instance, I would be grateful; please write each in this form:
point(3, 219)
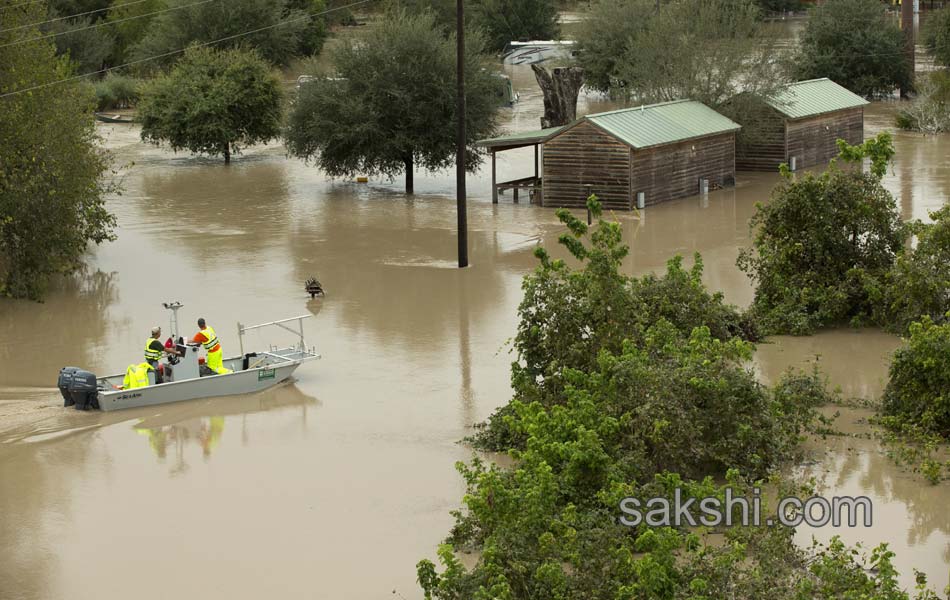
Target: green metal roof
point(814, 97)
point(514, 140)
point(660, 124)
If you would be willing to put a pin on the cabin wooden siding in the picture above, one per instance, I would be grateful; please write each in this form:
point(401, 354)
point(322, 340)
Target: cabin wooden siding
point(813, 140)
point(585, 155)
point(673, 171)
point(767, 151)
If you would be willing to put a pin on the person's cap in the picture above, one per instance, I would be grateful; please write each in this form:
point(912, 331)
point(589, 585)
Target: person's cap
point(156, 329)
point(201, 322)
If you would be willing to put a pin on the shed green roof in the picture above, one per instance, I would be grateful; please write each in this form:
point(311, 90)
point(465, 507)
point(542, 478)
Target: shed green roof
point(660, 124)
point(524, 138)
point(814, 97)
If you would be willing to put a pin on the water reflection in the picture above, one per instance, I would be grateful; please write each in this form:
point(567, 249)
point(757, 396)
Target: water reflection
point(70, 327)
point(908, 513)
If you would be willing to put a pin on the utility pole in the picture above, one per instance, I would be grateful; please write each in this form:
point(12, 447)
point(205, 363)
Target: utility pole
point(460, 152)
point(907, 24)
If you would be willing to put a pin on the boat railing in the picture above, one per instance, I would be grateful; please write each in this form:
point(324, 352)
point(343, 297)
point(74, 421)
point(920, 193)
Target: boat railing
point(298, 331)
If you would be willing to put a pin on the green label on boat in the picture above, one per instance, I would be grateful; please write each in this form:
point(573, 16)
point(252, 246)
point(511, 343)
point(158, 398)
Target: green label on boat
point(266, 374)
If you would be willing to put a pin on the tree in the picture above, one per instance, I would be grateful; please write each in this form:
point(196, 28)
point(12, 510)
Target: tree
point(774, 6)
point(936, 36)
point(504, 21)
point(390, 104)
point(213, 102)
point(130, 23)
point(824, 245)
point(919, 283)
point(929, 111)
point(919, 379)
point(855, 44)
point(52, 170)
point(663, 416)
point(500, 21)
point(706, 50)
point(177, 29)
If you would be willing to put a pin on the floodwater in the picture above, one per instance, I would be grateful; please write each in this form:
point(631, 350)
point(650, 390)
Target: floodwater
point(335, 485)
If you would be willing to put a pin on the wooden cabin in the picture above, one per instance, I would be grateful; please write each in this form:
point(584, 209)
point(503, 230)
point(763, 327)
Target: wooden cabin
point(662, 151)
point(800, 126)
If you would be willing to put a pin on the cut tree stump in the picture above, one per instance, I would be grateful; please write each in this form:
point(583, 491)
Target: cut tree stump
point(560, 88)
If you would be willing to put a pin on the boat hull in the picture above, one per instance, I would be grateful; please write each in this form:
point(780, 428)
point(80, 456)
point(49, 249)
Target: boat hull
point(230, 384)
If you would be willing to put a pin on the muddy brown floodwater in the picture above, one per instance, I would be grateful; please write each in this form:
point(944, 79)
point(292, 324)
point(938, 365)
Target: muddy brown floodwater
point(334, 486)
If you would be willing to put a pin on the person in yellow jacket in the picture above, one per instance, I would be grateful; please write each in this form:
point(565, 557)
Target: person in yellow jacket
point(154, 350)
point(207, 338)
point(136, 376)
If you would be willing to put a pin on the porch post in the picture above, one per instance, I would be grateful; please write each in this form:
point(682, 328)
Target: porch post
point(535, 161)
point(494, 188)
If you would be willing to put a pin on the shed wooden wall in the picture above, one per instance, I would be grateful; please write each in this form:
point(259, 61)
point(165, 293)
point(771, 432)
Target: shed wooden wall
point(766, 151)
point(812, 140)
point(673, 171)
point(585, 154)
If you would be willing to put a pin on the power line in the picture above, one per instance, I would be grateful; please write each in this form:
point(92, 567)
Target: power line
point(179, 51)
point(20, 4)
point(104, 23)
point(82, 14)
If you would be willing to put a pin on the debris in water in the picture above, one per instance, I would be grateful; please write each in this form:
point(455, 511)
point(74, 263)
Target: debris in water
point(313, 288)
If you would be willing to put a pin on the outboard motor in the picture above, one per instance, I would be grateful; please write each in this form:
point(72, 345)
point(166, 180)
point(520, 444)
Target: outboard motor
point(79, 388)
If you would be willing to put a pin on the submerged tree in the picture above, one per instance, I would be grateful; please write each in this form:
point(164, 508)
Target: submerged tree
point(824, 245)
point(705, 50)
point(390, 104)
point(854, 43)
point(213, 102)
point(666, 412)
point(505, 21)
point(52, 170)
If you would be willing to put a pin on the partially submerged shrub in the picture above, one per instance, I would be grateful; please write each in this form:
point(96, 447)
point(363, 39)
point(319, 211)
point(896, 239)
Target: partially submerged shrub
point(824, 245)
point(929, 112)
point(918, 389)
point(568, 317)
point(919, 283)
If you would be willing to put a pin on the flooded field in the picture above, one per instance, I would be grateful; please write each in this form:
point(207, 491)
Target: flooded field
point(334, 486)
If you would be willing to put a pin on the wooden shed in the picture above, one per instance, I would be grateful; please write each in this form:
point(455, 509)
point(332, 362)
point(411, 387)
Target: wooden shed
point(662, 151)
point(800, 126)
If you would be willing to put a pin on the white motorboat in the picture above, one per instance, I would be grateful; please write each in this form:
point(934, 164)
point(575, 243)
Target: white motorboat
point(184, 378)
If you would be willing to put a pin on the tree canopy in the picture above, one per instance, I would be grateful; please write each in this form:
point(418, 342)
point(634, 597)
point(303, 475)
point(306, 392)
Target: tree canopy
point(500, 21)
point(390, 103)
point(824, 245)
point(718, 52)
point(53, 173)
point(663, 413)
point(176, 29)
point(854, 43)
point(213, 102)
point(936, 35)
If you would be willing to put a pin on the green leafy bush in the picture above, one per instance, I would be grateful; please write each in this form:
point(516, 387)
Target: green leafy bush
point(824, 245)
point(919, 282)
point(668, 413)
point(117, 91)
point(918, 388)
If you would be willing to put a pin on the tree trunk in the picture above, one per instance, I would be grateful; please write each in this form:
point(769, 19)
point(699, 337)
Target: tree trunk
point(227, 153)
point(560, 88)
point(409, 166)
point(907, 25)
